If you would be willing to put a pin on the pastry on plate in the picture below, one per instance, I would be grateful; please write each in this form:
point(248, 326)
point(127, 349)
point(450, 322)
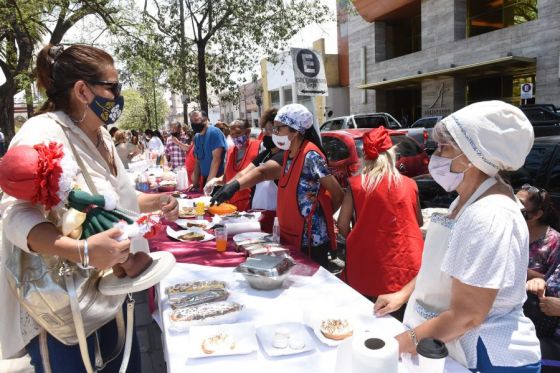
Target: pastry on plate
point(195, 287)
point(221, 342)
point(192, 236)
point(187, 212)
point(336, 329)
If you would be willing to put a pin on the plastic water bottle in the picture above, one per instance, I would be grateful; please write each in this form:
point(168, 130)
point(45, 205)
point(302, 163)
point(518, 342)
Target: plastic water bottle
point(182, 179)
point(276, 231)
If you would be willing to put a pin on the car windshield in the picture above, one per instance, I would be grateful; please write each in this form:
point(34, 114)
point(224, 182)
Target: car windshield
point(369, 121)
point(397, 140)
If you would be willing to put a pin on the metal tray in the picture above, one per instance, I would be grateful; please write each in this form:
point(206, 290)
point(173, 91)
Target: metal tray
point(266, 265)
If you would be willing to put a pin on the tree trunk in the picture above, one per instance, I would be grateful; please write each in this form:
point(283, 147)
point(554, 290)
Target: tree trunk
point(202, 92)
point(29, 100)
point(7, 113)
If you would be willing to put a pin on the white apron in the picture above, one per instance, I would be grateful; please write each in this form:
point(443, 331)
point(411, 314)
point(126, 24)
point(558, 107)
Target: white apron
point(265, 196)
point(432, 292)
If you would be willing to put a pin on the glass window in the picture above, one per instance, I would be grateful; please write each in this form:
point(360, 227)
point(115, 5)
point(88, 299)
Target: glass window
point(538, 156)
point(490, 15)
point(369, 122)
point(554, 179)
point(404, 36)
point(335, 149)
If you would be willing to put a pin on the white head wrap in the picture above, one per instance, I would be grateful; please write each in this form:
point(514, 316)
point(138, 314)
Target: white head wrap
point(295, 116)
point(493, 135)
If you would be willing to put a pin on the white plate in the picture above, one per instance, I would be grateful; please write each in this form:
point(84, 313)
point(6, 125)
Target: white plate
point(175, 234)
point(184, 223)
point(249, 236)
point(162, 264)
point(297, 330)
point(242, 333)
point(315, 324)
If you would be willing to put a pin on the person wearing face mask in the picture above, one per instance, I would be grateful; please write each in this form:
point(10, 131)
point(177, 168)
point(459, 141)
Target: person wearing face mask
point(83, 94)
point(177, 147)
point(308, 193)
point(384, 244)
point(238, 158)
point(470, 290)
point(543, 273)
point(209, 150)
point(268, 162)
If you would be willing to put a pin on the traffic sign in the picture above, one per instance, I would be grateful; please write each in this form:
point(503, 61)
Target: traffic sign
point(526, 91)
point(309, 73)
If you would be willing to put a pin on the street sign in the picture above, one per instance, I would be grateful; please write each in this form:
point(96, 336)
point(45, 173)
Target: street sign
point(526, 91)
point(309, 73)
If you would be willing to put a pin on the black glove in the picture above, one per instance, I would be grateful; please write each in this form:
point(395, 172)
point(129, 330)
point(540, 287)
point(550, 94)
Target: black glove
point(225, 193)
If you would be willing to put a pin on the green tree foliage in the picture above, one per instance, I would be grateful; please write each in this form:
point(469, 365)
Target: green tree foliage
point(24, 24)
point(139, 109)
point(205, 43)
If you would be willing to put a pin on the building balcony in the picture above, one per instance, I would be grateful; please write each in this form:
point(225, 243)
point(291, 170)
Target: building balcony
point(383, 10)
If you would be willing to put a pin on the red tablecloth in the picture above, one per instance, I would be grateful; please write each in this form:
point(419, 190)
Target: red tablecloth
point(205, 253)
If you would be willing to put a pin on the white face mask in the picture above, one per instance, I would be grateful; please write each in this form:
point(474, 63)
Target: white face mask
point(281, 142)
point(440, 169)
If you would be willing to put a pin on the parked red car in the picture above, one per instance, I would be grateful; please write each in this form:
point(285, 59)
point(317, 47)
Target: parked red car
point(344, 150)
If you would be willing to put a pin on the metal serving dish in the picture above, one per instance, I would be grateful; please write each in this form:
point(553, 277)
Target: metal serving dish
point(266, 272)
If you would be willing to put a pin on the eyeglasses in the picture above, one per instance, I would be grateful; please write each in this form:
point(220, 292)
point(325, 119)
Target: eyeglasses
point(114, 87)
point(276, 129)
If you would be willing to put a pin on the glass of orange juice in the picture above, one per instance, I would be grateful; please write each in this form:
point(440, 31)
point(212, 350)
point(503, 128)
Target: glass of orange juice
point(199, 208)
point(221, 238)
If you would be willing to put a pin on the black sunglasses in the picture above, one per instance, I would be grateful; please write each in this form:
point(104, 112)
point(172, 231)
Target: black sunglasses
point(541, 193)
point(114, 87)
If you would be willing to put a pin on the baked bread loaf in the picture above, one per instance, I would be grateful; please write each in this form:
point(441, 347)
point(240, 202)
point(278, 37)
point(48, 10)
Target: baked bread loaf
point(336, 329)
point(192, 236)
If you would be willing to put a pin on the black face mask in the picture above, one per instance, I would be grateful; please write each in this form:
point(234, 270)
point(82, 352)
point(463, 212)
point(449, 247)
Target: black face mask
point(197, 127)
point(268, 143)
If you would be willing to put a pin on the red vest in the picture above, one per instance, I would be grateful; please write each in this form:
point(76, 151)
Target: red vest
point(292, 223)
point(384, 248)
point(241, 199)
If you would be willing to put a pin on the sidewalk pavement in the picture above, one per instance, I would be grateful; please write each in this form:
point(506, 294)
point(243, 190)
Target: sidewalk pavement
point(149, 338)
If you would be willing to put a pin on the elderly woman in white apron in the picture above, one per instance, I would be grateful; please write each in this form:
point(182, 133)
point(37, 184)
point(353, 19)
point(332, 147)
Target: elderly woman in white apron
point(470, 289)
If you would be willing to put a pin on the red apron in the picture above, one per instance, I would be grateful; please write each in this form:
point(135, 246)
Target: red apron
point(190, 163)
point(384, 248)
point(242, 198)
point(292, 223)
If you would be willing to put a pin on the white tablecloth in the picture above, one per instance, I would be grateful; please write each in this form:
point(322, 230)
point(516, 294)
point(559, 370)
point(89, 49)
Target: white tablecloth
point(299, 300)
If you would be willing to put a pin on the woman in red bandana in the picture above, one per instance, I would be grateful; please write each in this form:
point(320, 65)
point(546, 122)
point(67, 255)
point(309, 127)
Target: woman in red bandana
point(384, 246)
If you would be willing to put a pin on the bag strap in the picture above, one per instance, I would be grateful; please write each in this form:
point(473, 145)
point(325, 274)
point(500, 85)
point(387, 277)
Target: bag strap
point(77, 317)
point(81, 164)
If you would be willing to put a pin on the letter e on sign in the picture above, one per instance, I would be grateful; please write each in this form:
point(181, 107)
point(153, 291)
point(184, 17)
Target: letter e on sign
point(308, 63)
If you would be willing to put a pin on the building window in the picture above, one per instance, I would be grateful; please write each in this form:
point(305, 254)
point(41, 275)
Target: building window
point(490, 15)
point(275, 98)
point(403, 36)
point(505, 87)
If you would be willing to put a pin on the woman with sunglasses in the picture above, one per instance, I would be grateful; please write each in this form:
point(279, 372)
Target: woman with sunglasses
point(542, 219)
point(543, 273)
point(83, 96)
point(470, 289)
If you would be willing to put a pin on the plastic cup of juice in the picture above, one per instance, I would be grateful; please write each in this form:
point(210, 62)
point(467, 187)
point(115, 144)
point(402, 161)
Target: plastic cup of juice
point(199, 208)
point(221, 238)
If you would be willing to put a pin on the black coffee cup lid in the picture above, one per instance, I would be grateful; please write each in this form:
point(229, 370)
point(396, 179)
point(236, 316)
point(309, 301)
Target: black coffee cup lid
point(432, 348)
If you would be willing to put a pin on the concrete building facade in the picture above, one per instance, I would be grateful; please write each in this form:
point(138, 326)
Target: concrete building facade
point(432, 57)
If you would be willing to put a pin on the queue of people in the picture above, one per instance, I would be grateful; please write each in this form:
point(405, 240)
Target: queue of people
point(465, 284)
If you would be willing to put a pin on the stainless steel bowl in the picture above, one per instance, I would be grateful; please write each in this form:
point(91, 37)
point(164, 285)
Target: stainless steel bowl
point(266, 272)
point(260, 282)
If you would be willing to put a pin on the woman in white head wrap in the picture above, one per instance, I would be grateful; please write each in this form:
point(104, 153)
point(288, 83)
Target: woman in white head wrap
point(470, 289)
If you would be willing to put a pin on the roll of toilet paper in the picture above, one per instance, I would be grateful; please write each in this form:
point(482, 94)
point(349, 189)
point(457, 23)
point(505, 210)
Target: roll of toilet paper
point(373, 352)
point(248, 226)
